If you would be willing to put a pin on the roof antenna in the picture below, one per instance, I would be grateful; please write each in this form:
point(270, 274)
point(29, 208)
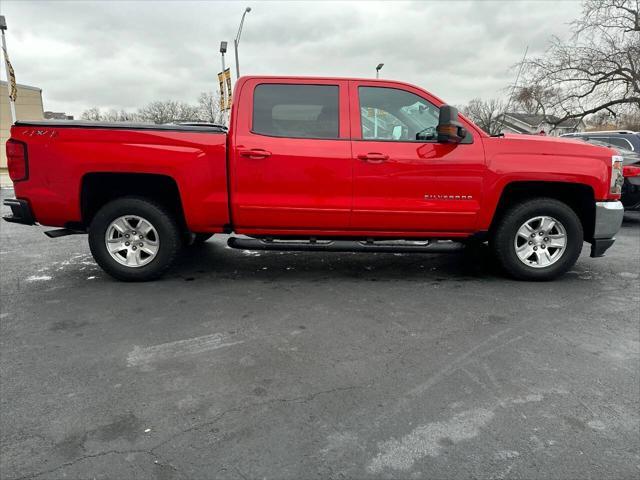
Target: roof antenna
point(513, 89)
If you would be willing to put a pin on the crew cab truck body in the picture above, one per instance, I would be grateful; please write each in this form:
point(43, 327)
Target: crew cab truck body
point(317, 164)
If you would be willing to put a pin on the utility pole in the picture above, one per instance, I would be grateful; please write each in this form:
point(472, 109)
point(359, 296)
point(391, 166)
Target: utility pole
point(12, 88)
point(236, 41)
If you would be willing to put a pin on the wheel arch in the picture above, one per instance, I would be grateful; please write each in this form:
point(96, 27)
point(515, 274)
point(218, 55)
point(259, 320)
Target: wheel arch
point(580, 197)
point(99, 188)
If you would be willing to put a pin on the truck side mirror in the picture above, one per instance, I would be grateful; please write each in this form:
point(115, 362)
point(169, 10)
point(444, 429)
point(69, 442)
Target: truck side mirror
point(449, 129)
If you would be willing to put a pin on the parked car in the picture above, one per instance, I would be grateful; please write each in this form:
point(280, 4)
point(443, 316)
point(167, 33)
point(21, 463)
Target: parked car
point(317, 164)
point(630, 160)
point(626, 139)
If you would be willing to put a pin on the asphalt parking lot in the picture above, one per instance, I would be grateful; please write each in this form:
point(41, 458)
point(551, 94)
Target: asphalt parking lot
point(246, 365)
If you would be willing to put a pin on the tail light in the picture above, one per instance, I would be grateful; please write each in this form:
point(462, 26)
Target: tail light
point(17, 162)
point(617, 178)
point(631, 171)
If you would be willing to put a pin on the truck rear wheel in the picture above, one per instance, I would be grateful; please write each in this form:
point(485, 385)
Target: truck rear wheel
point(539, 239)
point(134, 239)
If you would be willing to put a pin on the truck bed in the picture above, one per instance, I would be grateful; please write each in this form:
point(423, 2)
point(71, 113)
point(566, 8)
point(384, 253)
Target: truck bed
point(66, 158)
point(122, 125)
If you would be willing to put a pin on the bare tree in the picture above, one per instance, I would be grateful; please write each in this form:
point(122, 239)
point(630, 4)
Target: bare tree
point(207, 110)
point(485, 114)
point(624, 120)
point(620, 15)
point(598, 69)
point(93, 114)
point(209, 107)
point(113, 115)
point(168, 111)
point(534, 99)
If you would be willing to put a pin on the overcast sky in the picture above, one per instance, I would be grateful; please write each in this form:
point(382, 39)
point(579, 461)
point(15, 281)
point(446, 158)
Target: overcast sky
point(114, 54)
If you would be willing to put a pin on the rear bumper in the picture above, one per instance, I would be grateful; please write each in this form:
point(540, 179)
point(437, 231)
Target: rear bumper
point(607, 223)
point(20, 212)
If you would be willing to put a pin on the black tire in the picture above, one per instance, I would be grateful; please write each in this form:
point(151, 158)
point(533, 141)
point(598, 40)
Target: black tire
point(169, 238)
point(503, 238)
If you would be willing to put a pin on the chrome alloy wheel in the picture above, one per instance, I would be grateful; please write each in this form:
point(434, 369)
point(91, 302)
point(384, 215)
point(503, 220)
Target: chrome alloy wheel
point(132, 241)
point(540, 241)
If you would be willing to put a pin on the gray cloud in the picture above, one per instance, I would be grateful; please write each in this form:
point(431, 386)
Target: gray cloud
point(125, 54)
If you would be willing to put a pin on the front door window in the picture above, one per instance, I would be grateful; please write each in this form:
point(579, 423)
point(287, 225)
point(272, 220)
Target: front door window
point(396, 115)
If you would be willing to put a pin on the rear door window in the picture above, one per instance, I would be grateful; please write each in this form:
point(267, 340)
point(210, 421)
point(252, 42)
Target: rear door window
point(296, 111)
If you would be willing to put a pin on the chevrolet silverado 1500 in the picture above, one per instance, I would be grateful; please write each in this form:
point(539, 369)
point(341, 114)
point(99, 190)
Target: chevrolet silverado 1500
point(321, 164)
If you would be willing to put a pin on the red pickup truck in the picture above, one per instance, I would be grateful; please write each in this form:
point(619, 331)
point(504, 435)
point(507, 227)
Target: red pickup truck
point(321, 164)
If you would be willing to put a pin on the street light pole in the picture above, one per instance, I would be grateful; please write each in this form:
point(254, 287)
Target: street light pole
point(223, 50)
point(375, 110)
point(236, 41)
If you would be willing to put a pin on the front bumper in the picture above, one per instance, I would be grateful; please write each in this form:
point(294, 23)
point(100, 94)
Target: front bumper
point(20, 212)
point(607, 223)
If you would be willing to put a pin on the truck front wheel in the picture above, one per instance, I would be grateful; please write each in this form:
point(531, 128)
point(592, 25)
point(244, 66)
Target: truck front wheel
point(134, 239)
point(539, 239)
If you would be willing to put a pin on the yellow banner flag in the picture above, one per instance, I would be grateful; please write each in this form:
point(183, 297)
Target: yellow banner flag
point(13, 92)
point(227, 75)
point(222, 92)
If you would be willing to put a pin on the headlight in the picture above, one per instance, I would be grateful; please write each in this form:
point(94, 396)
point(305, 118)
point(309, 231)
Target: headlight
point(617, 178)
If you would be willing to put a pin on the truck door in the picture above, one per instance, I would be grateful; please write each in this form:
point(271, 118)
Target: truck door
point(290, 160)
point(402, 184)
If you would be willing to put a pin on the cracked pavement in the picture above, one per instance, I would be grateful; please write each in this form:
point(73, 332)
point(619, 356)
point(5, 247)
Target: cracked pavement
point(242, 365)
